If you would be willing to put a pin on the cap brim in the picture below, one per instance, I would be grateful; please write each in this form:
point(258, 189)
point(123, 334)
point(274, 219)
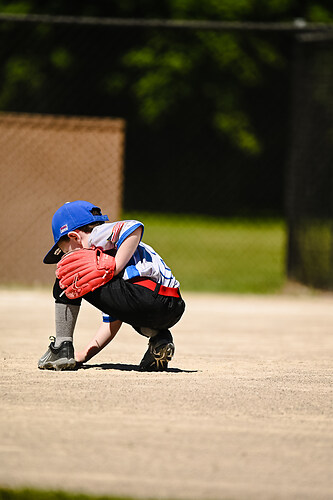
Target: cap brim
point(54, 255)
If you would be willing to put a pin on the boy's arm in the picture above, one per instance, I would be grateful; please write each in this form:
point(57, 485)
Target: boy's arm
point(127, 249)
point(104, 335)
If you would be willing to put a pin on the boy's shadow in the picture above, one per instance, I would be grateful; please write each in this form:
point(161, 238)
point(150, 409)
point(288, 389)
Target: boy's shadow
point(129, 368)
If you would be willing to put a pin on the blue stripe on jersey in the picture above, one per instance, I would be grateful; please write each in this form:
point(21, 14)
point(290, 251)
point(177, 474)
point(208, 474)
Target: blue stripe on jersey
point(108, 319)
point(128, 232)
point(144, 254)
point(166, 277)
point(164, 264)
point(132, 272)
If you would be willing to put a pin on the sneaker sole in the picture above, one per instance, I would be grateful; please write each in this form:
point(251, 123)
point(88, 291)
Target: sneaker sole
point(164, 354)
point(159, 359)
point(59, 365)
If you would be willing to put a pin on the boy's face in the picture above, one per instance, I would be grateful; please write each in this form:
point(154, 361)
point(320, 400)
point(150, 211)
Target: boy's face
point(77, 239)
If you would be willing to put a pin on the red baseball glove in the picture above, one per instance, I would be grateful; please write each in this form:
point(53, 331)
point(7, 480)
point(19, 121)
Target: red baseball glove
point(84, 270)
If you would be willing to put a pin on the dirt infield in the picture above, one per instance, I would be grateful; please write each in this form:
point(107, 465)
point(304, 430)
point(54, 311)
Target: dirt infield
point(244, 412)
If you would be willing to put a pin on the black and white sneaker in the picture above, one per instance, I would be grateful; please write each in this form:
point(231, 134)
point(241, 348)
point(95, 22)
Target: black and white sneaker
point(160, 351)
point(58, 358)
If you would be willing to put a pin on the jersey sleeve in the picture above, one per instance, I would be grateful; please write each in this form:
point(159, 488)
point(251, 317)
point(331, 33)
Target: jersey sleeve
point(110, 236)
point(127, 228)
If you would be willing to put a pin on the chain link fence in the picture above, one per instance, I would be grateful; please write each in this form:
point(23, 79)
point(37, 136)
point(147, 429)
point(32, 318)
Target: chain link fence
point(46, 161)
point(207, 108)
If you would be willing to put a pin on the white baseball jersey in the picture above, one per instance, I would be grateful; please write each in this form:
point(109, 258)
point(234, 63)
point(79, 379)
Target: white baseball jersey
point(145, 262)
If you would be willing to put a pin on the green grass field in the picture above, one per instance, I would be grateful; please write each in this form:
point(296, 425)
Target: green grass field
point(219, 255)
point(32, 494)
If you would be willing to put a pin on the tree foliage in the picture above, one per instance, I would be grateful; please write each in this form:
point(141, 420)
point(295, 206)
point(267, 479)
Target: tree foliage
point(188, 87)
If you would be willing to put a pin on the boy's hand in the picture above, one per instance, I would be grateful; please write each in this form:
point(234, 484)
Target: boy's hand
point(82, 271)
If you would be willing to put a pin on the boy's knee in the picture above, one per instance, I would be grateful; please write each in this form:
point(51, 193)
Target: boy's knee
point(147, 332)
point(61, 297)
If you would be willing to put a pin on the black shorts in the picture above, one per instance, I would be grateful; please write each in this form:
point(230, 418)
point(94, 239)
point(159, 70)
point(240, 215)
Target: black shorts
point(132, 303)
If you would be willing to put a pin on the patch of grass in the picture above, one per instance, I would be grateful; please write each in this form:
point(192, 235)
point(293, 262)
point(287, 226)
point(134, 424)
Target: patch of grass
point(32, 494)
point(219, 255)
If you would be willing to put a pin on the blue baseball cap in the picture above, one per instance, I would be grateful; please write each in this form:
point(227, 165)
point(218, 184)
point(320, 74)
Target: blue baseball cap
point(67, 218)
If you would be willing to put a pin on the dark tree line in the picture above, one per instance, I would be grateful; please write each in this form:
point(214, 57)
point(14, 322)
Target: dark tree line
point(207, 111)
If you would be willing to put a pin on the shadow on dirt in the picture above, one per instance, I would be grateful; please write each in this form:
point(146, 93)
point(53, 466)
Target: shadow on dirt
point(128, 368)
